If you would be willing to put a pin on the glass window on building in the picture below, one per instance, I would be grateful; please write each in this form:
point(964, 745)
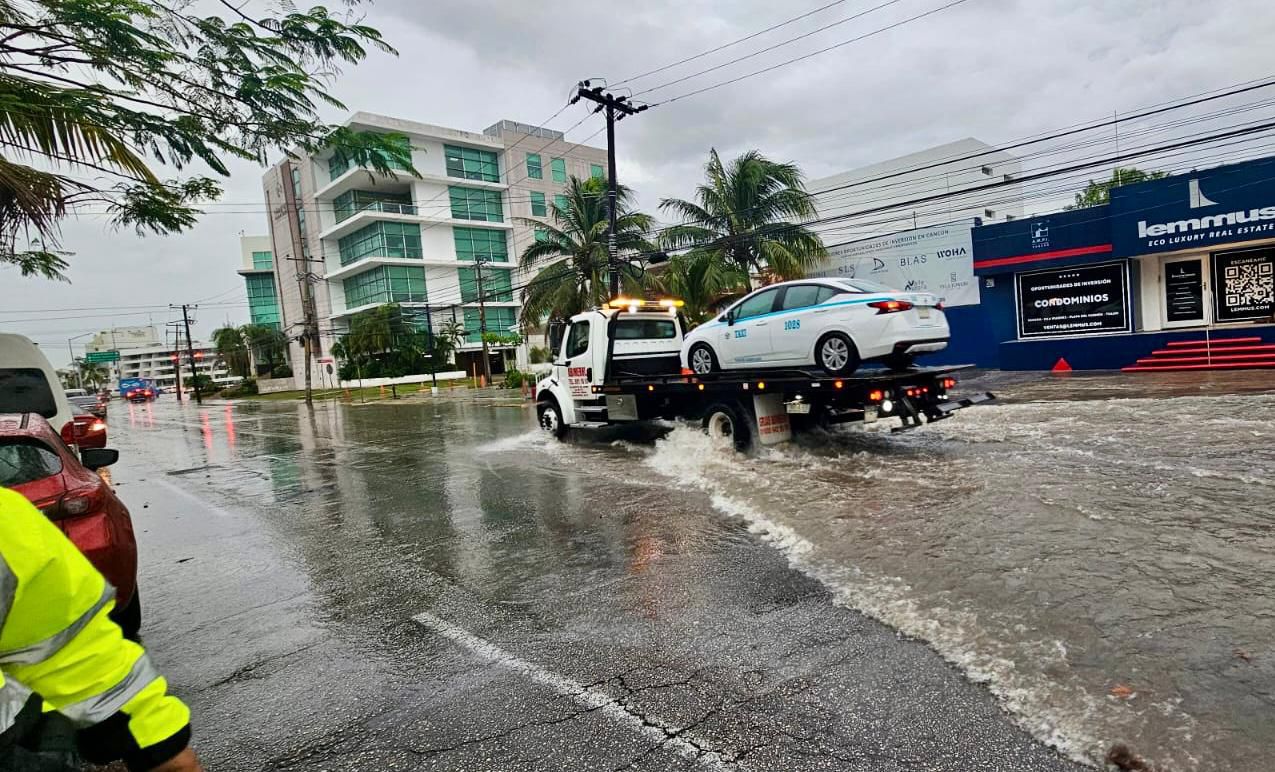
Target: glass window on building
point(541, 234)
point(486, 243)
point(351, 202)
point(534, 170)
point(262, 261)
point(381, 239)
point(559, 169)
point(471, 163)
point(475, 204)
point(339, 163)
point(499, 320)
point(263, 300)
point(385, 284)
point(560, 201)
point(538, 208)
point(596, 171)
point(497, 285)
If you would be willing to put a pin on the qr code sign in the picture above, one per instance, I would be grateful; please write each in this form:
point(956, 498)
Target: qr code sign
point(1250, 285)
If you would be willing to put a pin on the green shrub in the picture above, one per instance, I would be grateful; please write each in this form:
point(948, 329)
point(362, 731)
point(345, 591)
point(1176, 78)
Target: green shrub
point(282, 371)
point(515, 378)
point(538, 355)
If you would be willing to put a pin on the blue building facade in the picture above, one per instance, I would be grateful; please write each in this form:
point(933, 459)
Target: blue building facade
point(1172, 274)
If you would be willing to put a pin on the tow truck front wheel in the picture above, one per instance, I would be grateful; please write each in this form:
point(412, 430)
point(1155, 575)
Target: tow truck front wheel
point(727, 426)
point(550, 416)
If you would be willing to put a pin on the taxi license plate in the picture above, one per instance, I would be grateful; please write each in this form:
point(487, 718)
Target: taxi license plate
point(923, 312)
point(870, 414)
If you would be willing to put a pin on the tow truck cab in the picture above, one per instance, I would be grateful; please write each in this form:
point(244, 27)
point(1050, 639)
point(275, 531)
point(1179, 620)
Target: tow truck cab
point(636, 338)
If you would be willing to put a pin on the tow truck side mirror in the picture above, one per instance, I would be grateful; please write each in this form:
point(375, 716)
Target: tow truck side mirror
point(555, 338)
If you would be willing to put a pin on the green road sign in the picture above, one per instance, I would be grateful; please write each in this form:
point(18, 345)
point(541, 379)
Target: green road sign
point(98, 357)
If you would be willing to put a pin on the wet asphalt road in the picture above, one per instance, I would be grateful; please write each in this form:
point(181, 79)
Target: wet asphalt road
point(431, 586)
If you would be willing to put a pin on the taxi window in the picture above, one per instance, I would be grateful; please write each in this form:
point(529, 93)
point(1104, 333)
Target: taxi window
point(826, 293)
point(761, 303)
point(801, 296)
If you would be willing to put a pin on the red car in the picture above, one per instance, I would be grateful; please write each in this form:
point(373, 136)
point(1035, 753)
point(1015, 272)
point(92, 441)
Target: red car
point(35, 462)
point(84, 429)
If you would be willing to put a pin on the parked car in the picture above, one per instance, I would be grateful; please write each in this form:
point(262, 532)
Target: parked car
point(28, 383)
point(85, 430)
point(834, 324)
point(35, 462)
point(93, 403)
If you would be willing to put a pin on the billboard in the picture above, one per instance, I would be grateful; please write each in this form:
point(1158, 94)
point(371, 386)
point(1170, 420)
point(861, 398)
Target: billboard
point(939, 260)
point(1081, 300)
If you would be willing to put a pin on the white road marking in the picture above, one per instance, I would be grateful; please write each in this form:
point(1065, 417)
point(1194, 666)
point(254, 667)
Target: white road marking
point(581, 694)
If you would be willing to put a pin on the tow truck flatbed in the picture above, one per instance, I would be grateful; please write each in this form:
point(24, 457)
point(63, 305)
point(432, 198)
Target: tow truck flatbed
point(601, 379)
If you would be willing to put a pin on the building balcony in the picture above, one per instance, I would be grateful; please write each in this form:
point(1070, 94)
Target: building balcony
point(366, 217)
point(386, 207)
point(356, 177)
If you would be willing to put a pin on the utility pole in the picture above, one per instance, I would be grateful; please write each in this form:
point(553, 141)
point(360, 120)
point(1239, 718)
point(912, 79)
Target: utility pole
point(190, 352)
point(309, 334)
point(177, 356)
point(612, 104)
point(482, 316)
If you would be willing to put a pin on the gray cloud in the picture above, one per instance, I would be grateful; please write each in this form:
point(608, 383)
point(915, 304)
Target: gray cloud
point(993, 69)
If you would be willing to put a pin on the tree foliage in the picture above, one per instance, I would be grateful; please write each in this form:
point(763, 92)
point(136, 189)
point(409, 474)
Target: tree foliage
point(91, 374)
point(386, 342)
point(747, 217)
point(578, 233)
point(1098, 193)
point(93, 92)
point(239, 348)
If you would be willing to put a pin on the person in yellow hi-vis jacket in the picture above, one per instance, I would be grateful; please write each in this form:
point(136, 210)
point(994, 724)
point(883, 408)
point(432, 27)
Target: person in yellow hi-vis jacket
point(57, 642)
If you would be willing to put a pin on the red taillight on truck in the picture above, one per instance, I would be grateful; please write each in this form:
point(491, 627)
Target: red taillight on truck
point(891, 306)
point(947, 383)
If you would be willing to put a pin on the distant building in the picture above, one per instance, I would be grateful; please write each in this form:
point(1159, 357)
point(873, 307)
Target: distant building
point(260, 281)
point(357, 239)
point(158, 363)
point(873, 200)
point(120, 338)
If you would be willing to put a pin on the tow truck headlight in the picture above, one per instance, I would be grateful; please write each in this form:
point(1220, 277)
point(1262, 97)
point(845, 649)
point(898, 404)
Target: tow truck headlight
point(887, 406)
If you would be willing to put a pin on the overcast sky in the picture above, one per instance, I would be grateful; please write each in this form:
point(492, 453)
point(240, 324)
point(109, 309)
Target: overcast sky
point(997, 70)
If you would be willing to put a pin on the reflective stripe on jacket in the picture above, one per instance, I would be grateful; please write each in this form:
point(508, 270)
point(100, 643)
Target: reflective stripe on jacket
point(56, 640)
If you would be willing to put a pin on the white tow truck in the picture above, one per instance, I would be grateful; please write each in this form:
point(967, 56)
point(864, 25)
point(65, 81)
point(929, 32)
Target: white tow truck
point(621, 364)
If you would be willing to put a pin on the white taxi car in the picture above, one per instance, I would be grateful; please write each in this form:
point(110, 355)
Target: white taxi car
point(835, 324)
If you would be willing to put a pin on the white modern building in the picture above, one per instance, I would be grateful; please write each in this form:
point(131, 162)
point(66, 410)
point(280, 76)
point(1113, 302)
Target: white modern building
point(159, 364)
point(347, 240)
point(883, 198)
point(260, 281)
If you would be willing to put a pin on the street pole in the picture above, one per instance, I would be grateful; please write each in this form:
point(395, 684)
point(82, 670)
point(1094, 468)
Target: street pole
point(190, 352)
point(482, 317)
point(613, 105)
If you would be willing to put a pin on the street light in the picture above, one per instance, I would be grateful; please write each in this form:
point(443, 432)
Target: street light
point(79, 377)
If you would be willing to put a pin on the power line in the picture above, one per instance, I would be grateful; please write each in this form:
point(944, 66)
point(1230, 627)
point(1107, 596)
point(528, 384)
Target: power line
point(724, 46)
point(795, 59)
point(768, 49)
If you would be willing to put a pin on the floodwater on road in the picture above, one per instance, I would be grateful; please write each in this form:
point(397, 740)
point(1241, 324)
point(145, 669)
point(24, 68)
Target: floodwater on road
point(1103, 563)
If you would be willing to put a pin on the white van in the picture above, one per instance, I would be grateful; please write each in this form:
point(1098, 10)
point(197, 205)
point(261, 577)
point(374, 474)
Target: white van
point(29, 384)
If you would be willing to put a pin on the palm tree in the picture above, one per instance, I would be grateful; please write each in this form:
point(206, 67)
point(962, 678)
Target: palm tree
point(579, 234)
point(702, 280)
point(232, 351)
point(748, 216)
point(268, 346)
point(447, 340)
point(92, 374)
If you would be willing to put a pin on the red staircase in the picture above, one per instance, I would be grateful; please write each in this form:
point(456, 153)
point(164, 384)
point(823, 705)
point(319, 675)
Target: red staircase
point(1211, 354)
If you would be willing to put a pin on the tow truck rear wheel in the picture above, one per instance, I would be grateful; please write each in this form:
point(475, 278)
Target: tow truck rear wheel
point(727, 425)
point(550, 417)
